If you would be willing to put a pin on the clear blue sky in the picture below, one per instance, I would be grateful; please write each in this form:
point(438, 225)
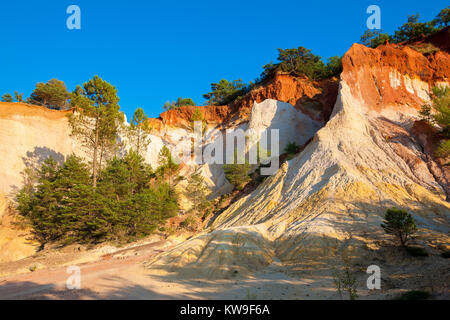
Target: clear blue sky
point(154, 51)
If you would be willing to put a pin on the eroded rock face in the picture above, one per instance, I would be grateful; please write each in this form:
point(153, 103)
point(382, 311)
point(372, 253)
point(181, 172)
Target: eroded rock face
point(29, 135)
point(330, 200)
point(313, 98)
point(392, 76)
point(15, 243)
point(293, 125)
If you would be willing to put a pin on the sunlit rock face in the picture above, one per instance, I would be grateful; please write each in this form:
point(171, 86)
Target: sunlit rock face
point(29, 135)
point(331, 198)
point(292, 125)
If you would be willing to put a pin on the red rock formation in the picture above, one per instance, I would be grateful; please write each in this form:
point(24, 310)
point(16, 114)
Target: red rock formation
point(370, 73)
point(314, 98)
point(400, 77)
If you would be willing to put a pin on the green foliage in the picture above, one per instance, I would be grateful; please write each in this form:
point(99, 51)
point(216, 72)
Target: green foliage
point(443, 149)
point(426, 114)
point(410, 30)
point(18, 96)
point(97, 120)
point(301, 61)
point(52, 94)
point(179, 103)
point(413, 29)
point(167, 167)
point(441, 104)
point(344, 281)
point(442, 19)
point(7, 97)
point(63, 205)
point(414, 295)
point(189, 223)
point(374, 38)
point(399, 223)
point(291, 148)
point(225, 92)
point(197, 115)
point(236, 173)
point(138, 131)
point(417, 251)
point(333, 67)
point(426, 48)
point(197, 192)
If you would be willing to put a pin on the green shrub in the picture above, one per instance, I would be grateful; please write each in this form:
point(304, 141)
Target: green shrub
point(445, 254)
point(7, 97)
point(291, 148)
point(426, 48)
point(374, 38)
point(345, 281)
point(225, 92)
point(399, 223)
point(181, 102)
point(189, 223)
point(237, 174)
point(410, 30)
point(301, 61)
point(414, 295)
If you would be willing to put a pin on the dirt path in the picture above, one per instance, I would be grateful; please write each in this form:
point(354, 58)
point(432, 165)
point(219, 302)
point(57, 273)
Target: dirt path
point(52, 281)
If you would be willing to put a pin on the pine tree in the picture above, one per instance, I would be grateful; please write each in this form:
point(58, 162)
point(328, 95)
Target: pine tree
point(167, 165)
point(52, 94)
point(7, 97)
point(197, 192)
point(97, 120)
point(138, 131)
point(399, 223)
point(237, 174)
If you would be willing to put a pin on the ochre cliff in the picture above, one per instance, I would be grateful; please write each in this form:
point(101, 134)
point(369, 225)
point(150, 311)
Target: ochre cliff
point(323, 208)
point(393, 75)
point(315, 98)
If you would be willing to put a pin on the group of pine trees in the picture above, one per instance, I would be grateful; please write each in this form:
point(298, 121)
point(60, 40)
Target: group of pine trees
point(111, 197)
point(296, 61)
point(53, 95)
point(410, 30)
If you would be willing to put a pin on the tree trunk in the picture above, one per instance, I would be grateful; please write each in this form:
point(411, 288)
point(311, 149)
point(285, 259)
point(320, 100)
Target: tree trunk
point(94, 158)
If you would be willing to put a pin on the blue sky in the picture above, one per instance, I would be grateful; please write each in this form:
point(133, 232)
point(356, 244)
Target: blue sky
point(154, 51)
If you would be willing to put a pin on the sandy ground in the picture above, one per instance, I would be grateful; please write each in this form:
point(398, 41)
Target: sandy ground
point(122, 275)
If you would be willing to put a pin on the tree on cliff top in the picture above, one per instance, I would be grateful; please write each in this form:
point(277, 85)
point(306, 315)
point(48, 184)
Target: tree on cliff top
point(374, 38)
point(443, 18)
point(52, 94)
point(181, 102)
point(413, 29)
point(410, 30)
point(301, 61)
point(225, 92)
point(7, 97)
point(97, 120)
